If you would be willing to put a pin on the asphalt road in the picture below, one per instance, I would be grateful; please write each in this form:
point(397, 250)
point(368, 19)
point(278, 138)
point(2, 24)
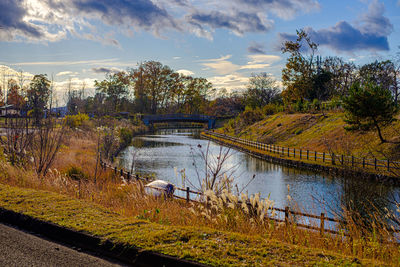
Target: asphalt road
point(18, 248)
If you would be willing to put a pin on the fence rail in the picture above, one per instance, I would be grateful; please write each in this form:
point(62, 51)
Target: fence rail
point(288, 218)
point(330, 158)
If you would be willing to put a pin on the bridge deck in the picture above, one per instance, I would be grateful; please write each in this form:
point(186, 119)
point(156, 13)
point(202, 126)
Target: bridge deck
point(150, 119)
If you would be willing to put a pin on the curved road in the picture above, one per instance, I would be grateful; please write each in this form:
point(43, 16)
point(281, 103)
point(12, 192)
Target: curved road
point(18, 248)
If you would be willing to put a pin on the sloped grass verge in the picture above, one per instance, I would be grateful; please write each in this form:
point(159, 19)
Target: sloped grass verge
point(196, 244)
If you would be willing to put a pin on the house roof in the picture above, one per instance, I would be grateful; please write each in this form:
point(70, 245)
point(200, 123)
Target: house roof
point(8, 107)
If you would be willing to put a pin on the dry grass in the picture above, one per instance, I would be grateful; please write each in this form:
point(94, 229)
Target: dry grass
point(222, 213)
point(321, 133)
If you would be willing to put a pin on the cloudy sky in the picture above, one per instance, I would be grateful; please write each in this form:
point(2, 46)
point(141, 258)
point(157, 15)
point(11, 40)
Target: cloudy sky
point(222, 40)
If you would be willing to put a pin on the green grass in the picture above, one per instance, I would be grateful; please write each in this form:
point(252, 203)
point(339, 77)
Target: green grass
point(203, 245)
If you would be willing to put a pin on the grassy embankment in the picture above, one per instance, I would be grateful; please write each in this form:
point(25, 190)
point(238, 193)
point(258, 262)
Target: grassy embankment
point(316, 132)
point(200, 244)
point(110, 208)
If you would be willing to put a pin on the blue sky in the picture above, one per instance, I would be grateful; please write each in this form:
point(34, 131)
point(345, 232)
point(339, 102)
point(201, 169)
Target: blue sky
point(223, 40)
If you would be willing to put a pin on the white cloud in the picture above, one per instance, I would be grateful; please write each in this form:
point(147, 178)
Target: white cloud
point(221, 65)
point(231, 81)
point(9, 73)
point(185, 72)
point(255, 59)
point(260, 61)
point(67, 73)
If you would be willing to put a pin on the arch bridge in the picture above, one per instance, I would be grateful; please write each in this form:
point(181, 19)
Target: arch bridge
point(150, 119)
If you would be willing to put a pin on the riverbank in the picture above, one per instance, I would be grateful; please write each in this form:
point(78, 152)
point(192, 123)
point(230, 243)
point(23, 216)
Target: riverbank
point(323, 133)
point(203, 245)
point(319, 132)
point(311, 160)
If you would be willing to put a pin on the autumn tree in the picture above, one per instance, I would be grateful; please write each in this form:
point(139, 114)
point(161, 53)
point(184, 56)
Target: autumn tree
point(14, 97)
point(342, 75)
point(38, 96)
point(262, 89)
point(115, 88)
point(298, 71)
point(196, 94)
point(159, 89)
point(382, 73)
point(1, 97)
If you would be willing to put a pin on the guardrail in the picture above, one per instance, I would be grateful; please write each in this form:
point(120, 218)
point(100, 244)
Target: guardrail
point(288, 218)
point(309, 155)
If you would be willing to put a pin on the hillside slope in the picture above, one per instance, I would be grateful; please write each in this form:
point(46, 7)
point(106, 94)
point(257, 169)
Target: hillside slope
point(320, 133)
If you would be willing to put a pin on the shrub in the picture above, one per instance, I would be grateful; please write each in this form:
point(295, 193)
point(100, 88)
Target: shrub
point(74, 121)
point(316, 105)
point(250, 116)
point(270, 109)
point(298, 106)
point(76, 173)
point(125, 137)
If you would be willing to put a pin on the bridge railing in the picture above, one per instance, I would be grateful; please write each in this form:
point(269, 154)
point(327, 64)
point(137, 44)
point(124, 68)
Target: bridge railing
point(178, 116)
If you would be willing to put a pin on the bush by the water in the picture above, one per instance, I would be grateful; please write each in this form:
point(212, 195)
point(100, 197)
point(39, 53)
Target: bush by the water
point(125, 136)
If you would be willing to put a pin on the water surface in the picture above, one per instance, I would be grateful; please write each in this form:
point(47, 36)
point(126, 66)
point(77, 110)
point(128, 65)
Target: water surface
point(170, 153)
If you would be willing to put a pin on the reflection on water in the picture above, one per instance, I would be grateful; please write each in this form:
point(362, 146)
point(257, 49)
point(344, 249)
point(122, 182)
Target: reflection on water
point(171, 152)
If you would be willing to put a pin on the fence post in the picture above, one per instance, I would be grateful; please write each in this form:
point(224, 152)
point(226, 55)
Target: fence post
point(294, 152)
point(286, 215)
point(187, 194)
point(300, 153)
point(333, 158)
point(307, 153)
point(375, 163)
point(322, 226)
point(315, 156)
point(342, 160)
point(288, 152)
point(352, 161)
point(323, 157)
point(388, 165)
point(363, 162)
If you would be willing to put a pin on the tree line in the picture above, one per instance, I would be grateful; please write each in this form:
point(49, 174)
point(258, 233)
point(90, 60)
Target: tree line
point(307, 76)
point(151, 88)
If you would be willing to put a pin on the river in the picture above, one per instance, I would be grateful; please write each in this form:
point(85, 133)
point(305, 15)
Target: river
point(169, 154)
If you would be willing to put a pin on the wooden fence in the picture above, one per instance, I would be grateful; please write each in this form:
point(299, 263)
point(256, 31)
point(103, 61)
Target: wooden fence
point(302, 154)
point(290, 217)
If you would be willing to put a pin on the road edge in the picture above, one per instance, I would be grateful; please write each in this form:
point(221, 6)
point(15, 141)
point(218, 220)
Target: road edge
point(126, 254)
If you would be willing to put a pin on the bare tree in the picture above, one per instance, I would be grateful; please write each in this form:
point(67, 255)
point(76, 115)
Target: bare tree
point(17, 141)
point(48, 137)
point(216, 174)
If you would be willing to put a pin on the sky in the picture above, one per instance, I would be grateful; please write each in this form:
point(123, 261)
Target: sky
point(78, 41)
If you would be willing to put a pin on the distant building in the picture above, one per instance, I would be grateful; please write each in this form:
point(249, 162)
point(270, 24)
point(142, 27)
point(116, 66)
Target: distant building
point(9, 111)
